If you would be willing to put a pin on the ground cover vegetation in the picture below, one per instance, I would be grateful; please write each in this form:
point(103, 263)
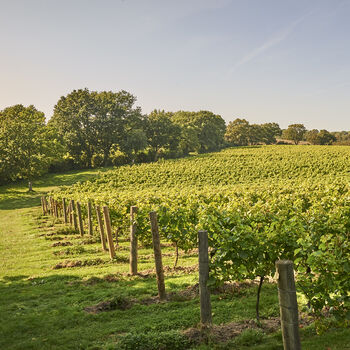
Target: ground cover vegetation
point(60, 290)
point(257, 204)
point(90, 129)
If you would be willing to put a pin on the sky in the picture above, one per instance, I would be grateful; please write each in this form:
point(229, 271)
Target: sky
point(283, 61)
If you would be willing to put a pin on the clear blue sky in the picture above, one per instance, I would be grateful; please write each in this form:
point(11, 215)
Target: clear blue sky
point(283, 61)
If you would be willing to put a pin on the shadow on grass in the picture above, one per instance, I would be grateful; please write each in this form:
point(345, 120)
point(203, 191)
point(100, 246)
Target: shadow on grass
point(16, 196)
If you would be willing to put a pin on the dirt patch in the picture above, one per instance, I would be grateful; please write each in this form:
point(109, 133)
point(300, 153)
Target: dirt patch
point(109, 305)
point(225, 332)
point(91, 240)
point(78, 263)
point(53, 237)
point(62, 244)
point(113, 277)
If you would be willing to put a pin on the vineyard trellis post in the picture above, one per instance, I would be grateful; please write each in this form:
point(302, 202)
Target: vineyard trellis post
point(64, 210)
point(288, 305)
point(43, 205)
point(89, 210)
point(70, 213)
point(133, 241)
point(55, 210)
point(157, 255)
point(204, 295)
point(109, 232)
point(46, 206)
point(100, 225)
point(80, 219)
point(74, 215)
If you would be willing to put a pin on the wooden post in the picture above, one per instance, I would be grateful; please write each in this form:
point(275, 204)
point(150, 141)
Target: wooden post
point(50, 205)
point(157, 255)
point(133, 241)
point(100, 225)
point(109, 232)
point(80, 219)
point(43, 205)
point(203, 277)
point(89, 210)
point(56, 208)
point(70, 212)
point(74, 215)
point(64, 209)
point(288, 305)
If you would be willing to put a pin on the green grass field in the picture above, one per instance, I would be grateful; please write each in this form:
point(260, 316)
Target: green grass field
point(43, 308)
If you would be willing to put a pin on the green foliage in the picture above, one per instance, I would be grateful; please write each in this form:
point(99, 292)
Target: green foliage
point(322, 137)
point(295, 133)
point(241, 133)
point(170, 340)
point(44, 309)
point(249, 337)
point(27, 145)
point(90, 123)
point(293, 207)
point(162, 132)
point(203, 131)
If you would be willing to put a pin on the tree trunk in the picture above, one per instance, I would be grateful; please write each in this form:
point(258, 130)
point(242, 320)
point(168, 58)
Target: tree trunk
point(30, 188)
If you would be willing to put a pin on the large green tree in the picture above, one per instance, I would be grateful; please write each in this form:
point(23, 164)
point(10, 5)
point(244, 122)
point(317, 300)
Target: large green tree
point(161, 132)
point(238, 132)
point(295, 133)
point(322, 137)
point(27, 145)
point(90, 123)
point(209, 129)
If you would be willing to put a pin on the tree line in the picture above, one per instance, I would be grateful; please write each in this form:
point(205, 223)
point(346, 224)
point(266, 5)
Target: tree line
point(92, 129)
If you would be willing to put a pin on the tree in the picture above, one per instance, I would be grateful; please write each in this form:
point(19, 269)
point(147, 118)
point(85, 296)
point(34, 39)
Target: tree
point(312, 136)
point(295, 133)
point(27, 146)
point(162, 132)
point(238, 132)
point(209, 127)
point(136, 141)
point(269, 132)
point(90, 123)
point(326, 138)
point(322, 137)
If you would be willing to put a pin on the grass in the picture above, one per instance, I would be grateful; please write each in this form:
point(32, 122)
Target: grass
point(43, 308)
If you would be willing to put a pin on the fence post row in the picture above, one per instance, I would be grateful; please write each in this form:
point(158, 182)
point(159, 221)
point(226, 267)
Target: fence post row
point(157, 255)
point(109, 232)
point(288, 305)
point(203, 258)
point(133, 241)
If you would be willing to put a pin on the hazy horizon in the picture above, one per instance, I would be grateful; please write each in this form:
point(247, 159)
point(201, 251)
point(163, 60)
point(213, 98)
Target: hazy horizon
point(284, 62)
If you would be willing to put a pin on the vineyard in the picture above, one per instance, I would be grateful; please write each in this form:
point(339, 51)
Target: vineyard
point(258, 205)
